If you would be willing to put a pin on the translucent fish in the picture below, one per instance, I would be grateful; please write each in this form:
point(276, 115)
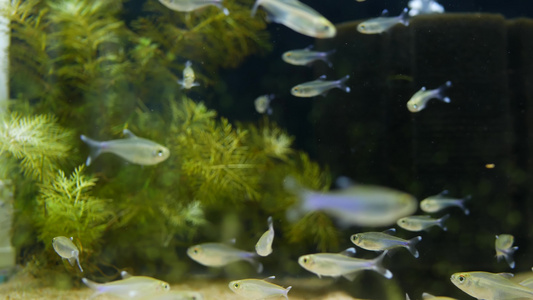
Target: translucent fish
point(67, 250)
point(383, 23)
point(354, 205)
point(419, 100)
point(490, 286)
point(129, 287)
point(305, 57)
point(188, 77)
point(422, 7)
point(258, 289)
point(504, 248)
point(174, 295)
point(439, 202)
point(264, 245)
point(133, 149)
point(336, 264)
point(319, 87)
point(297, 16)
point(219, 255)
point(426, 296)
point(262, 104)
point(190, 5)
point(380, 241)
point(419, 223)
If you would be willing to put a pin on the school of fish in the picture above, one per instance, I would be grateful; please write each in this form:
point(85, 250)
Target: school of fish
point(351, 205)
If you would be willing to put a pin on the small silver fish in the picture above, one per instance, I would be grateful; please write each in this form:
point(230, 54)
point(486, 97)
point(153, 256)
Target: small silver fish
point(174, 295)
point(354, 205)
point(188, 77)
point(304, 57)
point(340, 264)
point(439, 202)
point(264, 245)
point(262, 104)
point(380, 241)
point(219, 255)
point(258, 289)
point(422, 7)
point(190, 5)
point(490, 286)
point(504, 248)
point(129, 287)
point(419, 100)
point(383, 23)
point(419, 223)
point(297, 16)
point(133, 149)
point(426, 296)
point(67, 250)
point(319, 87)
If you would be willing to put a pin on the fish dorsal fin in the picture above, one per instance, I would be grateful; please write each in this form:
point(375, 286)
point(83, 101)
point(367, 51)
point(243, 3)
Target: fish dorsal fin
point(443, 193)
point(385, 13)
point(269, 278)
point(348, 252)
point(506, 275)
point(129, 134)
point(125, 275)
point(407, 297)
point(310, 47)
point(424, 216)
point(390, 231)
point(323, 77)
point(427, 296)
point(343, 182)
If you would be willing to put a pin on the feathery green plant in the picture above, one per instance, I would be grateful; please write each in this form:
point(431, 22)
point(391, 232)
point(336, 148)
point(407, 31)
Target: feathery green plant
point(205, 35)
point(66, 208)
point(38, 142)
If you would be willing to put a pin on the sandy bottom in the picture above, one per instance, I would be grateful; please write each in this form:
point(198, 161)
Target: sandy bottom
point(29, 288)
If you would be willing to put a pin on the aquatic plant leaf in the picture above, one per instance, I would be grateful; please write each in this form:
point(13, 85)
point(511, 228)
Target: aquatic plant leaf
point(38, 142)
point(65, 207)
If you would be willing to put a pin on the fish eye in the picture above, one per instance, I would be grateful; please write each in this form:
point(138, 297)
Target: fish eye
point(305, 260)
point(461, 278)
point(195, 250)
point(166, 286)
point(236, 285)
point(415, 106)
point(160, 152)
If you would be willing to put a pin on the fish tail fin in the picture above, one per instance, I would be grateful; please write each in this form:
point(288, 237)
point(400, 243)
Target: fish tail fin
point(225, 11)
point(326, 57)
point(404, 17)
point(509, 256)
point(297, 210)
point(377, 265)
point(441, 221)
point(254, 8)
point(95, 148)
point(342, 84)
point(442, 90)
point(411, 245)
point(79, 266)
point(252, 259)
point(463, 206)
point(286, 292)
point(93, 286)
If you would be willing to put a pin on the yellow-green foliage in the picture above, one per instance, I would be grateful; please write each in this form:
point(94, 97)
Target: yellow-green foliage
point(65, 207)
point(38, 142)
point(206, 35)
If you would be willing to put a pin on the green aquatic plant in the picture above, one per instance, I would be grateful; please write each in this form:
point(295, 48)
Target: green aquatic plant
point(206, 35)
point(65, 207)
point(37, 142)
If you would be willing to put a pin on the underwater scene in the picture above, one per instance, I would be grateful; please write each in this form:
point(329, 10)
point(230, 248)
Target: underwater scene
point(266, 149)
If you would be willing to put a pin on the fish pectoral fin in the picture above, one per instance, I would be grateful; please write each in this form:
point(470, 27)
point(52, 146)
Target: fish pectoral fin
point(350, 276)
